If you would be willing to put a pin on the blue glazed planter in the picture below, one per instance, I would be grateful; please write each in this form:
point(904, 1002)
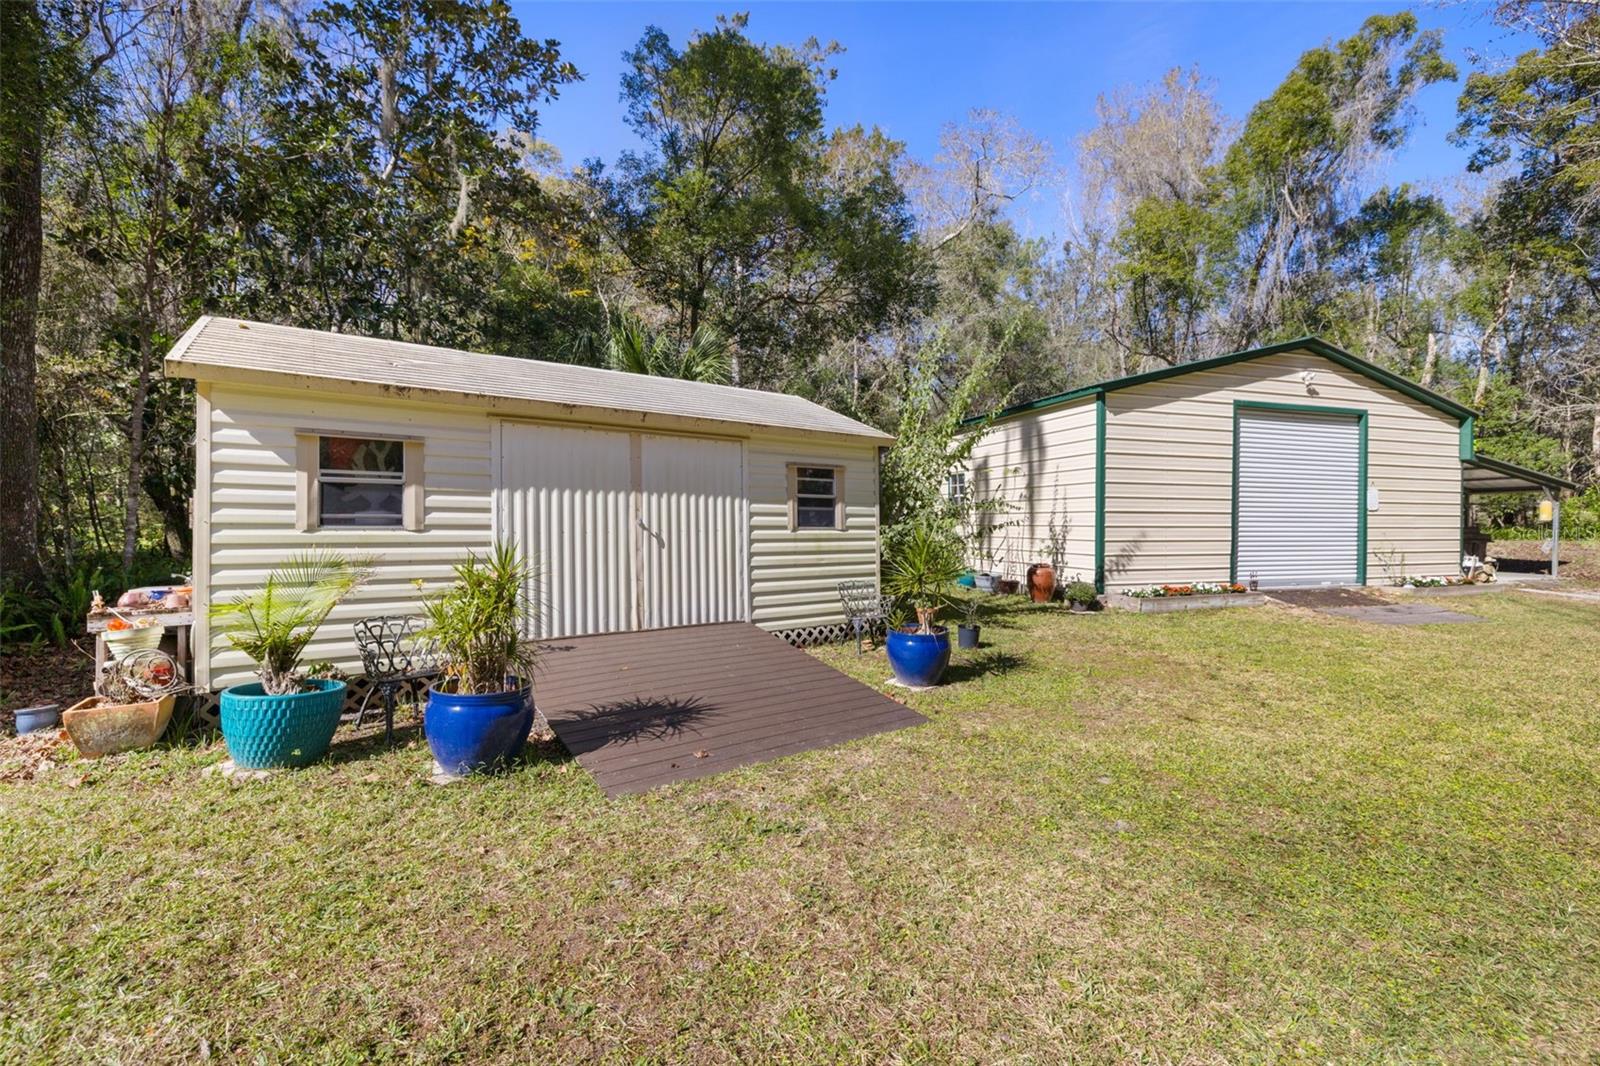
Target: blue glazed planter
point(468, 732)
point(272, 732)
point(37, 719)
point(919, 659)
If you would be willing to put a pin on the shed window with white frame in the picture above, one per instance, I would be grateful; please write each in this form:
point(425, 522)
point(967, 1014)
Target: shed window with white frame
point(816, 497)
point(351, 482)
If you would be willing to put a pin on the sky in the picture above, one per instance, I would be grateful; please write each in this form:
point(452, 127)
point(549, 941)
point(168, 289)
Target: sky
point(912, 67)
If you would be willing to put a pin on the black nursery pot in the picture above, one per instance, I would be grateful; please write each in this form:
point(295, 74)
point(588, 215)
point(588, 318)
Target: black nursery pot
point(967, 636)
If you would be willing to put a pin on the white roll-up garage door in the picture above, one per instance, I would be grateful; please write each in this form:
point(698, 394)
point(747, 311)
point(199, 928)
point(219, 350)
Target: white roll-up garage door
point(1299, 498)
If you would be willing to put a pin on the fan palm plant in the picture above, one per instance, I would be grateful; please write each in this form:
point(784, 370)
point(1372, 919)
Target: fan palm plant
point(273, 624)
point(632, 347)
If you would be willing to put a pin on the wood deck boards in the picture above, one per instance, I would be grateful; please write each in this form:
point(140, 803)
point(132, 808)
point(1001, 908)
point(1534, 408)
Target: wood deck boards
point(643, 709)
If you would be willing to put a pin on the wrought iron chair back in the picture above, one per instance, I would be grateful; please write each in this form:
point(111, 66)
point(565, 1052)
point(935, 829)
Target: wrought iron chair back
point(394, 654)
point(865, 608)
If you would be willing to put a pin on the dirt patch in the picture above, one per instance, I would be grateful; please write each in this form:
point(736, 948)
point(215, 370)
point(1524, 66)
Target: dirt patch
point(1328, 597)
point(30, 676)
point(1580, 560)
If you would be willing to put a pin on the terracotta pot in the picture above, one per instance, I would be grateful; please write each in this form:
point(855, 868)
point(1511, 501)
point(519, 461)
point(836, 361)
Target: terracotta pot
point(1042, 582)
point(100, 728)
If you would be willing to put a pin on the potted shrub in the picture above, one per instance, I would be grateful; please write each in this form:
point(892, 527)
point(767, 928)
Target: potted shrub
point(968, 631)
point(480, 710)
point(926, 566)
point(285, 719)
point(1081, 596)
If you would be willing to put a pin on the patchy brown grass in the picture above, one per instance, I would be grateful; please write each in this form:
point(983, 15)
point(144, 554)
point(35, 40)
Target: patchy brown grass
point(1201, 837)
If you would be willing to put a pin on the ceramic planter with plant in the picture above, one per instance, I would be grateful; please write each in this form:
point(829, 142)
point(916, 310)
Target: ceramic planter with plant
point(480, 710)
point(919, 577)
point(1082, 597)
point(968, 631)
point(131, 706)
point(286, 719)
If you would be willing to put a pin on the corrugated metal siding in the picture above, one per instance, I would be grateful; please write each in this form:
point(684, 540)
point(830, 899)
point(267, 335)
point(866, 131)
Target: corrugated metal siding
point(567, 502)
point(794, 577)
point(249, 495)
point(1043, 466)
point(692, 531)
point(1299, 506)
point(222, 344)
point(1169, 469)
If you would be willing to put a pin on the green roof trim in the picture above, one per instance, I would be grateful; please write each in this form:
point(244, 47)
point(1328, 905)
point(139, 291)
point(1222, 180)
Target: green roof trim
point(1500, 466)
point(1314, 345)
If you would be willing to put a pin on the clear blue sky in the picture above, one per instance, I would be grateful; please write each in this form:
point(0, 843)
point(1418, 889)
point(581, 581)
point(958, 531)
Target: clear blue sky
point(911, 67)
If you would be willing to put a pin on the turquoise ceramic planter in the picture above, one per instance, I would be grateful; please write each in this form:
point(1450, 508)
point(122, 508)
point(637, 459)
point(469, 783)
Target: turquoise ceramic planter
point(272, 732)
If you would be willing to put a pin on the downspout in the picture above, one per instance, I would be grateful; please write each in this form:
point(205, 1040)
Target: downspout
point(1555, 532)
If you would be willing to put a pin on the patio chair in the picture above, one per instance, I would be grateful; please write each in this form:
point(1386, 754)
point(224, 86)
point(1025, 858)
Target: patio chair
point(865, 608)
point(394, 656)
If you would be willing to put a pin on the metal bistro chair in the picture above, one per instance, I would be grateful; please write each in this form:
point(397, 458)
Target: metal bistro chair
point(394, 656)
point(865, 608)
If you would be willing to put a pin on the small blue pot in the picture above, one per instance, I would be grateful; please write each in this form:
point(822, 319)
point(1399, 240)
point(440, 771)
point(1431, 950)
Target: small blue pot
point(273, 732)
point(919, 659)
point(468, 732)
point(37, 719)
point(968, 580)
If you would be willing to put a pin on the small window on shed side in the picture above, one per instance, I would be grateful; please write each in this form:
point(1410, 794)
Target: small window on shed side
point(349, 482)
point(816, 497)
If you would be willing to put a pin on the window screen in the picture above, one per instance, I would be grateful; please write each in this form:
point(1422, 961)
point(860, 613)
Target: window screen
point(816, 497)
point(955, 488)
point(362, 480)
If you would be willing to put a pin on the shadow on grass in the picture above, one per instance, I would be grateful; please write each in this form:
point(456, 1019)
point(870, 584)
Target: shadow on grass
point(994, 661)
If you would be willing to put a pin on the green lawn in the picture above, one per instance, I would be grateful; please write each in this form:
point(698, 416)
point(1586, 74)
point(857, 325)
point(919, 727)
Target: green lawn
point(1239, 835)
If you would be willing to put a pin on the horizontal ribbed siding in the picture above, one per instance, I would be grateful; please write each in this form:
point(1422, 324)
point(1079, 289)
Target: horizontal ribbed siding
point(250, 497)
point(794, 576)
point(1169, 469)
point(1043, 467)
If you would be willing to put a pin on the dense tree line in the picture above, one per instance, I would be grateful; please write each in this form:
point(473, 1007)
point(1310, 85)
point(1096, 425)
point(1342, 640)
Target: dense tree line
point(374, 166)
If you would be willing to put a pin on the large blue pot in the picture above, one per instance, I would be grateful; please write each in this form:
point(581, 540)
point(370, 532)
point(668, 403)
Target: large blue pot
point(919, 659)
point(271, 732)
point(469, 732)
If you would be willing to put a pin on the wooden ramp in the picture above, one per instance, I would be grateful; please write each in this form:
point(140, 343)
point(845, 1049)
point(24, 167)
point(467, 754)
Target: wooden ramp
point(643, 709)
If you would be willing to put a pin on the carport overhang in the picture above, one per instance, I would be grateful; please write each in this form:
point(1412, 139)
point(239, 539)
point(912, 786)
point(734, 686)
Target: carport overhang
point(1482, 476)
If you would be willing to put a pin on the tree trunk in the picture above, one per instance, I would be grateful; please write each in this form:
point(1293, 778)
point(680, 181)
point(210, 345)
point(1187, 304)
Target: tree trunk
point(1430, 364)
point(21, 249)
point(1594, 447)
point(133, 491)
point(1495, 327)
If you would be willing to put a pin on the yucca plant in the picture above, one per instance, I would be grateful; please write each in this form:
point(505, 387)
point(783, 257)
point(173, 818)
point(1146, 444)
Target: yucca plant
point(476, 624)
point(923, 569)
point(273, 624)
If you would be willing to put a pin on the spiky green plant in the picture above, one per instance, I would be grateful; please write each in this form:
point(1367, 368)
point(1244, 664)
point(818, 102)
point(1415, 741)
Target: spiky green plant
point(477, 624)
point(924, 568)
point(630, 346)
point(273, 624)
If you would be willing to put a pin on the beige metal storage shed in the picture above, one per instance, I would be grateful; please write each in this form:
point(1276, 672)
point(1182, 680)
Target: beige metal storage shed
point(646, 502)
point(1299, 463)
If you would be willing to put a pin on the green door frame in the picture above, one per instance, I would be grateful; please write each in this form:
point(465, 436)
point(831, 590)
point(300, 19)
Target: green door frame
point(1360, 415)
point(1100, 493)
